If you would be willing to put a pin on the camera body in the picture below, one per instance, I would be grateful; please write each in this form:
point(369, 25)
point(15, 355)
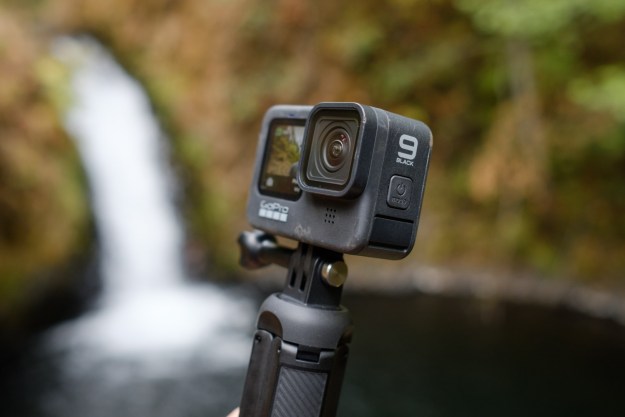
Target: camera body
point(342, 176)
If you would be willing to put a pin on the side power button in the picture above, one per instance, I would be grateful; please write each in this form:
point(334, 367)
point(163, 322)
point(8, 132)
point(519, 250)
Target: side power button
point(399, 191)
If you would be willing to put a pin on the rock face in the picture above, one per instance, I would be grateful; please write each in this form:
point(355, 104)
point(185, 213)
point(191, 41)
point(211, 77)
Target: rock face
point(44, 221)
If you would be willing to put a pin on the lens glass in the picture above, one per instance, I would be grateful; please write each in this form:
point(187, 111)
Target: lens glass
point(336, 148)
point(331, 147)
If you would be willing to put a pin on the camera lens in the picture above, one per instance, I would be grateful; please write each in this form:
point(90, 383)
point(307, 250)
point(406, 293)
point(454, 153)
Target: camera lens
point(330, 148)
point(336, 149)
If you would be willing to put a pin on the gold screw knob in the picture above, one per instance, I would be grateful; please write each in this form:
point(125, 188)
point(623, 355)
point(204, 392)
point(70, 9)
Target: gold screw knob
point(334, 273)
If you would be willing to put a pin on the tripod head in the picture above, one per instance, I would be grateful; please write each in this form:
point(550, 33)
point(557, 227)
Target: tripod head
point(259, 249)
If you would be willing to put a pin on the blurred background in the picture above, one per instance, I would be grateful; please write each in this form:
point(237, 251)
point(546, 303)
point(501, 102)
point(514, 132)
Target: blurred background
point(127, 135)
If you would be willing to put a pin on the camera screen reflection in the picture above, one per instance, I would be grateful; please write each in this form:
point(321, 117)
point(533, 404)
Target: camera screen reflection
point(279, 172)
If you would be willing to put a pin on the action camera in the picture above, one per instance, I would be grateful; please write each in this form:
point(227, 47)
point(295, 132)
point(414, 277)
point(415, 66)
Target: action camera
point(337, 178)
point(341, 176)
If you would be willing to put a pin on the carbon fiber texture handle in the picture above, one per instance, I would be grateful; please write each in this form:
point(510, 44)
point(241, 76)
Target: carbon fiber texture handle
point(288, 380)
point(299, 393)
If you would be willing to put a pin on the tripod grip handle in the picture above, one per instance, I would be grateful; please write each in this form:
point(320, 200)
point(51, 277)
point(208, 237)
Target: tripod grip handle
point(278, 384)
point(262, 373)
point(296, 377)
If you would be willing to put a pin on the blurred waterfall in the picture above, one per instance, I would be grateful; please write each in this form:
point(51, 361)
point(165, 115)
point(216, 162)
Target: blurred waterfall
point(123, 151)
point(148, 312)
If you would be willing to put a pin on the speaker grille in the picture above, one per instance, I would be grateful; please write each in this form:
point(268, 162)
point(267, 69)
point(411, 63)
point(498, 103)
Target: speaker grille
point(330, 216)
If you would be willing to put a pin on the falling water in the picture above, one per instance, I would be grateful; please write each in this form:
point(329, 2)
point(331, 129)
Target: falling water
point(150, 321)
point(122, 149)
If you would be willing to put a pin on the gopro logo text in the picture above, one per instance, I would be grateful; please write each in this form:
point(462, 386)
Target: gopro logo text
point(273, 211)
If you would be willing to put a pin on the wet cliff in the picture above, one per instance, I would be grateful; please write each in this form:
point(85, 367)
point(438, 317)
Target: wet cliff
point(45, 229)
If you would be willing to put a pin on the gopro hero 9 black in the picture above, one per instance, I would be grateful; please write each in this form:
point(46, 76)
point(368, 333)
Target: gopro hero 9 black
point(338, 178)
point(342, 176)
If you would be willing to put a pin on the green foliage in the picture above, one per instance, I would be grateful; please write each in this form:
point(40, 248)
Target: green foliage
point(602, 91)
point(537, 19)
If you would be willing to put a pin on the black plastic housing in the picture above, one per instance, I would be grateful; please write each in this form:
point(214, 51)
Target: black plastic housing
point(376, 211)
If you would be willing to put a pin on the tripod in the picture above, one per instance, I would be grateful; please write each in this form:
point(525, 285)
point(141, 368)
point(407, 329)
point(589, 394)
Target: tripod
point(301, 342)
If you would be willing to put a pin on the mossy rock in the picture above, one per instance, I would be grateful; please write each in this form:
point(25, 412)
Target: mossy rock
point(44, 215)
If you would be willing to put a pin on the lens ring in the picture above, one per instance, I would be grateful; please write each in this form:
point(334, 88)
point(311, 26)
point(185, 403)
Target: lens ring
point(335, 149)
